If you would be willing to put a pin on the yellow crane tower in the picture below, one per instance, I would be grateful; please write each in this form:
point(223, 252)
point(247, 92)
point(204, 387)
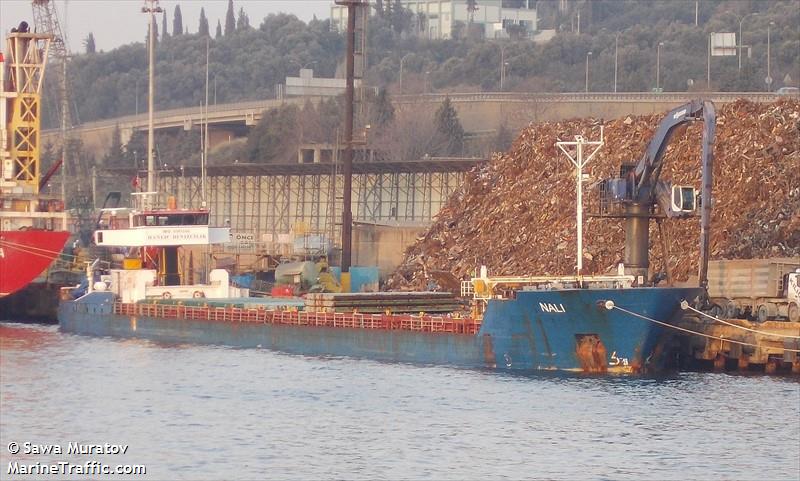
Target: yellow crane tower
point(20, 109)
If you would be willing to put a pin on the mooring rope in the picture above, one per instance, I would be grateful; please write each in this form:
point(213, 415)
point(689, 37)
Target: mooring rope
point(610, 305)
point(33, 250)
point(685, 305)
point(29, 251)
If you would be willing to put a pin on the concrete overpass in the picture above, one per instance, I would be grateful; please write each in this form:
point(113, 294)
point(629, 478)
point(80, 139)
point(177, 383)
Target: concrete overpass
point(477, 111)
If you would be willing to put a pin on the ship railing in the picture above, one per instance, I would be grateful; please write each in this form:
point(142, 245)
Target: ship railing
point(355, 320)
point(467, 289)
point(485, 288)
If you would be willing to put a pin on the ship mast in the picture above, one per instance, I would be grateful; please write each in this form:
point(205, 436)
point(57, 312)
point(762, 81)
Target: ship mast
point(151, 7)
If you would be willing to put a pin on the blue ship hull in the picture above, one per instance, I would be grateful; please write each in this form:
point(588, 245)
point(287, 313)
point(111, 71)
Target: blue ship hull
point(552, 330)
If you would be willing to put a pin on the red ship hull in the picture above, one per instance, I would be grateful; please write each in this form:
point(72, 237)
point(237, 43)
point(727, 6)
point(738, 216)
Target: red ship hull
point(25, 254)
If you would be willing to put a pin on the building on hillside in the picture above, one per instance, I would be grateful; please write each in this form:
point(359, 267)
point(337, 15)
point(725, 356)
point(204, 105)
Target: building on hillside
point(439, 19)
point(306, 85)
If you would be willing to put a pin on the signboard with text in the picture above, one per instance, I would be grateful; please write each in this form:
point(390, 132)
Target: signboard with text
point(723, 44)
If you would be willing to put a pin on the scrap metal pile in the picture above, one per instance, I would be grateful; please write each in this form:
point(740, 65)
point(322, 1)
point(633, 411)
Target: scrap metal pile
point(516, 214)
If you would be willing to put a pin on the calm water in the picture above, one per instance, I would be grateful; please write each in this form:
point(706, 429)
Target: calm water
point(192, 412)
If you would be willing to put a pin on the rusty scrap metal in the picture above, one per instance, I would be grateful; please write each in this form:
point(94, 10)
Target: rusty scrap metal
point(514, 214)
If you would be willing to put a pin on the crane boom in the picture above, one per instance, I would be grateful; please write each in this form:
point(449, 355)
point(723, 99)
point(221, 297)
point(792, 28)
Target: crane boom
point(649, 167)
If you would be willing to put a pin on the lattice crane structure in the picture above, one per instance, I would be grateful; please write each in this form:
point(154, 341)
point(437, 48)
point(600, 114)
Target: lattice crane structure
point(45, 20)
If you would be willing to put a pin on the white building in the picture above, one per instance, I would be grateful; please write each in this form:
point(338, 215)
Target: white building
point(442, 16)
point(306, 85)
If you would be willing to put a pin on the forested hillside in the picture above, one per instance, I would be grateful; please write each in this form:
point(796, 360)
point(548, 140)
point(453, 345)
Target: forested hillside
point(247, 59)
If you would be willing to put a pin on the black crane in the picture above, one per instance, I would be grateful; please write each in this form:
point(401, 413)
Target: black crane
point(636, 193)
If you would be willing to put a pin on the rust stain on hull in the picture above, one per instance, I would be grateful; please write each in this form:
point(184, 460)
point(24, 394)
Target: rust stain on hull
point(591, 353)
point(488, 351)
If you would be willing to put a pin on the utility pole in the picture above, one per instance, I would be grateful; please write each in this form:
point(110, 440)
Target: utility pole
point(151, 9)
point(768, 80)
point(658, 65)
point(347, 165)
point(588, 55)
point(616, 58)
point(708, 69)
point(502, 65)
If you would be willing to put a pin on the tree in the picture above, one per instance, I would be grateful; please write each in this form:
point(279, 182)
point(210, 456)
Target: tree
point(422, 24)
point(503, 139)
point(164, 32)
point(275, 137)
point(243, 22)
point(412, 136)
point(447, 123)
point(218, 34)
point(383, 110)
point(230, 19)
point(202, 29)
point(472, 7)
point(177, 21)
point(114, 155)
point(474, 31)
point(88, 43)
point(401, 17)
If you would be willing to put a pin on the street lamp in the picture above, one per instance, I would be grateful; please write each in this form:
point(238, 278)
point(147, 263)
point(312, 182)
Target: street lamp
point(741, 40)
point(616, 57)
point(427, 73)
point(768, 80)
point(658, 65)
point(402, 60)
point(589, 54)
point(502, 65)
point(137, 96)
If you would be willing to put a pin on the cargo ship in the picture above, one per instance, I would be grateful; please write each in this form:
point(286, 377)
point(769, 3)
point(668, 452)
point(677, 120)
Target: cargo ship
point(590, 324)
point(597, 323)
point(33, 226)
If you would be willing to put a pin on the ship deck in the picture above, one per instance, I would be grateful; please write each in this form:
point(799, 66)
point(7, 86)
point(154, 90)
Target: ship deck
point(451, 324)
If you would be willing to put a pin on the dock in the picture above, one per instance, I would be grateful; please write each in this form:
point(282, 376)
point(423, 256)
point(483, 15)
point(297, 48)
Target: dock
point(771, 347)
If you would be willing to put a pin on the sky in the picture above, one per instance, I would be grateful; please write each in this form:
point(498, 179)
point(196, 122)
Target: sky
point(118, 22)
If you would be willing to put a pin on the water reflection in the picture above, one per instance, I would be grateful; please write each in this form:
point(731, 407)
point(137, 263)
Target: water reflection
point(200, 412)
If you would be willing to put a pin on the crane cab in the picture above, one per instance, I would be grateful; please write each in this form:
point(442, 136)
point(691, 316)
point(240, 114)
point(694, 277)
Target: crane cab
point(684, 199)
